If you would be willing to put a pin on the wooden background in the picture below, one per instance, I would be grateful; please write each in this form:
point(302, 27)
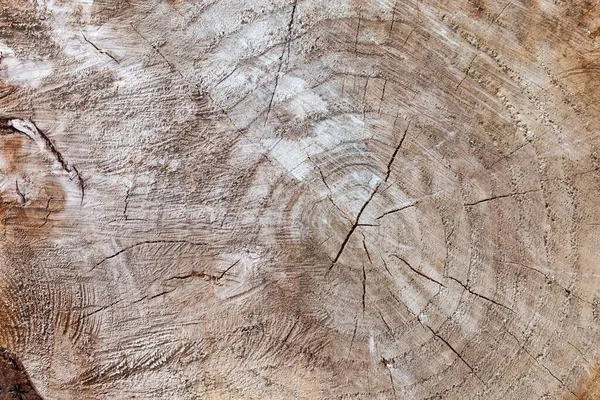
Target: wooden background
point(275, 199)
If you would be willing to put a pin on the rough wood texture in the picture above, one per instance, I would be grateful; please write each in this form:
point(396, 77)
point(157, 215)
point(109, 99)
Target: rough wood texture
point(14, 382)
point(269, 199)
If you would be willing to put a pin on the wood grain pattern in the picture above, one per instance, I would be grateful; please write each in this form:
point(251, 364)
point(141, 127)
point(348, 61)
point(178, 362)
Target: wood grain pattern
point(273, 199)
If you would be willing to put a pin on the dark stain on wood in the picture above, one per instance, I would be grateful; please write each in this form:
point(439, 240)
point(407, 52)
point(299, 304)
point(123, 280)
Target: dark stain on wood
point(588, 387)
point(30, 202)
point(14, 381)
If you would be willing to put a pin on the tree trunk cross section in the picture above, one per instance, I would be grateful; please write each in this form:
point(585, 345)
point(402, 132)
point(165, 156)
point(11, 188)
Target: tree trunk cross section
point(299, 199)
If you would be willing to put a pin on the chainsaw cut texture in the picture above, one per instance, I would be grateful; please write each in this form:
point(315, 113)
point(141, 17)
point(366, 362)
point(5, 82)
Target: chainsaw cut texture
point(267, 199)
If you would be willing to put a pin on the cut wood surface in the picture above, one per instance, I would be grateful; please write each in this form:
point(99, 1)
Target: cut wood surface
point(275, 199)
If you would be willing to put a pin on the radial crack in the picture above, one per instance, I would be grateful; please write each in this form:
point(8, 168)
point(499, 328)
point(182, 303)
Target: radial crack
point(396, 210)
point(416, 271)
point(452, 349)
point(31, 130)
point(289, 333)
point(280, 66)
point(228, 269)
point(366, 249)
point(98, 310)
point(142, 244)
point(353, 228)
point(522, 347)
point(468, 289)
point(373, 193)
point(101, 51)
point(364, 287)
point(502, 196)
point(391, 162)
point(20, 193)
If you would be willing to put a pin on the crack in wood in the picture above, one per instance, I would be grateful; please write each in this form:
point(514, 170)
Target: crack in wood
point(31, 130)
point(145, 242)
point(438, 336)
point(101, 51)
point(397, 210)
point(503, 196)
point(522, 347)
point(468, 289)
point(416, 271)
point(20, 193)
point(371, 196)
point(280, 66)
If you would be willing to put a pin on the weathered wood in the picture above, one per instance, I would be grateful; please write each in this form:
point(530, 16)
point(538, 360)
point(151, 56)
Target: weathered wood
point(14, 382)
point(301, 199)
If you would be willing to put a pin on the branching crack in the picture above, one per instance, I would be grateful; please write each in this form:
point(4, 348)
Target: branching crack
point(353, 228)
point(468, 289)
point(31, 130)
point(364, 206)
